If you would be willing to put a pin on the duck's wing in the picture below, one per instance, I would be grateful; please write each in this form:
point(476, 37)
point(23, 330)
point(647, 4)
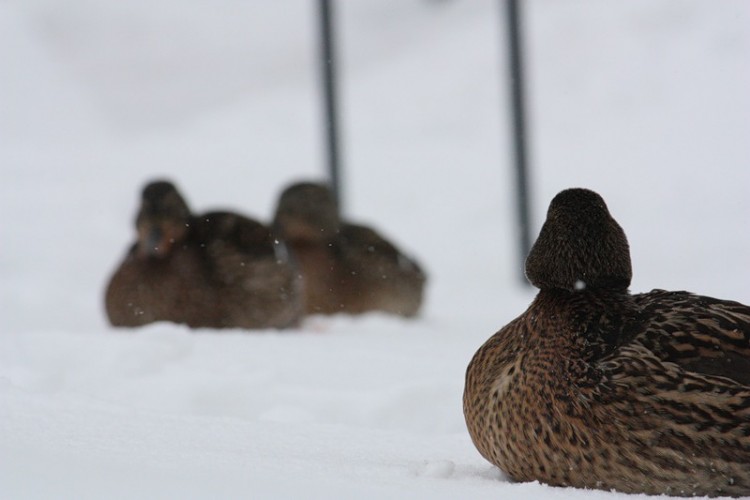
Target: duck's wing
point(671, 409)
point(701, 334)
point(234, 232)
point(363, 244)
point(235, 247)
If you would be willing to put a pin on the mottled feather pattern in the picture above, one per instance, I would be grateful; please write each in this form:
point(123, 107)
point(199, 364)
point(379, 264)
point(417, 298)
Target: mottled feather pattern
point(650, 426)
point(699, 332)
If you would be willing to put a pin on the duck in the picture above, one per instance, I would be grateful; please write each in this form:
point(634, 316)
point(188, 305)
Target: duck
point(214, 270)
point(345, 267)
point(594, 387)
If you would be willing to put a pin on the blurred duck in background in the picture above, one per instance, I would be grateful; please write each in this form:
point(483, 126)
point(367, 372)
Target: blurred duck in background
point(346, 268)
point(216, 270)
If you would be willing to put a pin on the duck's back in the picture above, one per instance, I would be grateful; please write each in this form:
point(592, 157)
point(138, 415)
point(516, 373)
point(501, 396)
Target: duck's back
point(376, 275)
point(355, 271)
point(701, 334)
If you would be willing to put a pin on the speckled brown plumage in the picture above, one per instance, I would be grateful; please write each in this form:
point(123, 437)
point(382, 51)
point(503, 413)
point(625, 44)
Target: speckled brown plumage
point(216, 270)
point(345, 267)
point(594, 387)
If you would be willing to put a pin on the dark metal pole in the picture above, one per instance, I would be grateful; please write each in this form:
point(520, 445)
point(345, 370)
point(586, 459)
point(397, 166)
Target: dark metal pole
point(328, 72)
point(515, 60)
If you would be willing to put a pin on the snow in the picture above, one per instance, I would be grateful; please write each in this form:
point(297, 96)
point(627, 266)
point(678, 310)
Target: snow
point(644, 101)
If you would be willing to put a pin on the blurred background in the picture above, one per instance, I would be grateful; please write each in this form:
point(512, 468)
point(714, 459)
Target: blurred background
point(644, 101)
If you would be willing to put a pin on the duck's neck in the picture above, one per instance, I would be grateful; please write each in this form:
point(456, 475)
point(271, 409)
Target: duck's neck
point(600, 319)
point(606, 297)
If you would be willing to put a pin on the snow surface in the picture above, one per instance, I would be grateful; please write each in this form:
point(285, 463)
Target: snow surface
point(645, 101)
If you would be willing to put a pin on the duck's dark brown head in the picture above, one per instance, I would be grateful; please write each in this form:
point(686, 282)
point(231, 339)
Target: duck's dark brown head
point(163, 219)
point(307, 211)
point(580, 246)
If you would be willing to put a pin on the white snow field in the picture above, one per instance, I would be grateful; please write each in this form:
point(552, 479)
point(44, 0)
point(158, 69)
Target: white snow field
point(645, 101)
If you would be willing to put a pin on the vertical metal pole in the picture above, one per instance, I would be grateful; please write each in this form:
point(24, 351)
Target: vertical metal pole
point(330, 116)
point(519, 129)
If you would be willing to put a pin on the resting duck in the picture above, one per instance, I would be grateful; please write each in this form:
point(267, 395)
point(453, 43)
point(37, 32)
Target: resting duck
point(593, 387)
point(217, 270)
point(345, 267)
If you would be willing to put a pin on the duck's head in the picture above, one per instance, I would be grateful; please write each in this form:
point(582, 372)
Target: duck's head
point(307, 211)
point(163, 219)
point(580, 246)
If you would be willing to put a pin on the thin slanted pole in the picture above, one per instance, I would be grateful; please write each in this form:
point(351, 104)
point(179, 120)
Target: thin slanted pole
point(330, 115)
point(520, 157)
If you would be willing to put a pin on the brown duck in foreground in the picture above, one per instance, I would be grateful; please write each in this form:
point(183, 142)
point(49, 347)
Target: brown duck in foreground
point(593, 387)
point(346, 268)
point(216, 270)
